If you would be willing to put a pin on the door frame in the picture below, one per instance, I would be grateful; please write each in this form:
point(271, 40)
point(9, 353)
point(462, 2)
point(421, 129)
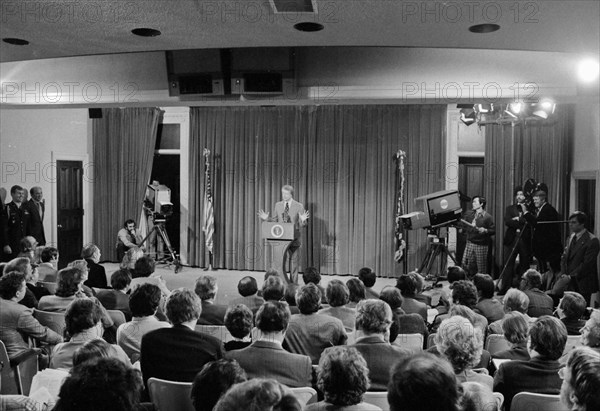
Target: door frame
point(86, 192)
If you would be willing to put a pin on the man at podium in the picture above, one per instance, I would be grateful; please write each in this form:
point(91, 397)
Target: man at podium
point(288, 210)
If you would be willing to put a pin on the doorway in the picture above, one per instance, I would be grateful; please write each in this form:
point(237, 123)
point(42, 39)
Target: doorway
point(470, 184)
point(69, 201)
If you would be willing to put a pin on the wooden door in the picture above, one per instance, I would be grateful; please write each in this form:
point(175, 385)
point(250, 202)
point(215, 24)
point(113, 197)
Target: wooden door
point(69, 192)
point(470, 184)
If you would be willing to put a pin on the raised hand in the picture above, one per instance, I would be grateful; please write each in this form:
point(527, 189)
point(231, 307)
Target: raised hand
point(263, 215)
point(305, 215)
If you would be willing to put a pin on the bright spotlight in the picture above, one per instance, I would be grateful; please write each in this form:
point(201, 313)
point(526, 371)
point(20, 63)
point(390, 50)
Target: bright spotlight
point(588, 70)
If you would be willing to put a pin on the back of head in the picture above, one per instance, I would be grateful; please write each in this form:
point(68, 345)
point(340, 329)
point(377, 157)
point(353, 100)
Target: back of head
point(584, 366)
point(464, 292)
point(273, 288)
point(337, 293)
point(183, 306)
point(311, 275)
point(290, 294)
point(273, 316)
point(144, 300)
point(367, 276)
point(68, 280)
point(456, 273)
point(478, 397)
point(484, 285)
point(516, 300)
point(258, 395)
point(144, 266)
point(89, 250)
point(459, 342)
point(407, 285)
point(81, 315)
point(271, 272)
point(97, 348)
point(206, 287)
point(373, 316)
point(343, 375)
point(392, 296)
point(247, 286)
point(239, 320)
point(100, 384)
point(120, 279)
point(423, 383)
point(48, 254)
point(19, 264)
point(215, 378)
point(356, 289)
point(548, 337)
point(531, 279)
point(131, 257)
point(308, 298)
point(573, 305)
point(463, 311)
point(10, 283)
point(515, 327)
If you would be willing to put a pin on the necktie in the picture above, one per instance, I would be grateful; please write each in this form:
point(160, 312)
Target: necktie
point(39, 207)
point(286, 212)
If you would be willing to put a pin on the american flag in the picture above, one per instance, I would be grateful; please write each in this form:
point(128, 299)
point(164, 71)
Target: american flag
point(209, 218)
point(399, 229)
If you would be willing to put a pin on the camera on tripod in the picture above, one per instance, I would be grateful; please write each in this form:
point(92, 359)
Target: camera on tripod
point(438, 209)
point(159, 202)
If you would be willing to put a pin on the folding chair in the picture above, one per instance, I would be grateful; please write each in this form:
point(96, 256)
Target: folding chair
point(305, 395)
point(170, 395)
point(378, 399)
point(53, 320)
point(529, 401)
point(412, 342)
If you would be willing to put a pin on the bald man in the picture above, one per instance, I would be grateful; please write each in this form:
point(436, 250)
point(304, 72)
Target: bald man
point(37, 208)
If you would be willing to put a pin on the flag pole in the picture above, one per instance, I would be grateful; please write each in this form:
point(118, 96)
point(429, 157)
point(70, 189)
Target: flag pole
point(208, 226)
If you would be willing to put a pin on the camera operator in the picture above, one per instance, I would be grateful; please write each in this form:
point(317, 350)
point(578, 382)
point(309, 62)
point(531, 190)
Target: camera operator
point(479, 232)
point(128, 237)
point(546, 242)
point(516, 226)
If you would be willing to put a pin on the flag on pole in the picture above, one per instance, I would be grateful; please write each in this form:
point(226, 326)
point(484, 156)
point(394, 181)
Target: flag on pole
point(209, 219)
point(399, 231)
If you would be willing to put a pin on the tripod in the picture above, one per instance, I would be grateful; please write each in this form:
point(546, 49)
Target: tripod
point(173, 258)
point(510, 258)
point(436, 249)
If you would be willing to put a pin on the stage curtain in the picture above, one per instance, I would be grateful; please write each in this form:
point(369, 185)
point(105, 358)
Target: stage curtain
point(123, 143)
point(535, 149)
point(339, 160)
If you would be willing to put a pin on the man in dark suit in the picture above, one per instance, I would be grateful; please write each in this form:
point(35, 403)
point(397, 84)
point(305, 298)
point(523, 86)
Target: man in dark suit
point(179, 352)
point(17, 223)
point(37, 210)
point(546, 242)
point(212, 314)
point(516, 226)
point(580, 259)
point(548, 337)
point(117, 298)
point(373, 321)
point(289, 210)
point(266, 358)
point(540, 303)
point(96, 273)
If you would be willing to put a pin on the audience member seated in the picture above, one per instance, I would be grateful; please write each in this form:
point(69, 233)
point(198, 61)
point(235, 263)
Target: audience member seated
point(423, 383)
point(33, 284)
point(309, 333)
point(513, 300)
point(49, 262)
point(290, 297)
point(130, 258)
point(580, 388)
point(263, 395)
point(83, 323)
point(266, 358)
point(357, 292)
point(82, 266)
point(143, 273)
point(23, 266)
point(570, 310)
point(179, 353)
point(117, 298)
point(462, 345)
point(478, 397)
point(419, 296)
point(408, 285)
point(338, 296)
point(101, 384)
point(464, 293)
point(96, 348)
point(16, 321)
point(143, 304)
point(402, 323)
point(540, 303)
point(28, 245)
point(487, 305)
point(453, 274)
point(273, 289)
point(515, 329)
point(342, 376)
point(312, 275)
point(590, 333)
point(270, 273)
point(215, 378)
point(373, 321)
point(248, 289)
point(97, 274)
point(548, 337)
point(239, 321)
point(212, 314)
point(368, 278)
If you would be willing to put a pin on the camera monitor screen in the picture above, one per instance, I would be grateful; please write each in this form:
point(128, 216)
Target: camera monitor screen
point(444, 204)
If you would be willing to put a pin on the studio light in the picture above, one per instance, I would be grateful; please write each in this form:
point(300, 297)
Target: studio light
point(485, 108)
point(588, 70)
point(543, 109)
point(468, 116)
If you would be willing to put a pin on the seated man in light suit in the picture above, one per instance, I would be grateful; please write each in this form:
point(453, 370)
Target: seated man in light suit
point(289, 210)
point(266, 358)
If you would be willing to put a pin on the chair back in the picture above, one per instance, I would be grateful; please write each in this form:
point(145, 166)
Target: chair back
point(53, 320)
point(51, 287)
point(431, 340)
point(500, 398)
point(496, 343)
point(412, 342)
point(304, 395)
point(15, 378)
point(218, 331)
point(8, 376)
point(573, 341)
point(117, 316)
point(378, 399)
point(528, 401)
point(170, 395)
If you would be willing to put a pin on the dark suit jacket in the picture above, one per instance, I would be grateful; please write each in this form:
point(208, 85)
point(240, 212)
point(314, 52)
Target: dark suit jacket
point(38, 290)
point(177, 353)
point(546, 242)
point(115, 300)
point(212, 314)
point(518, 352)
point(253, 302)
point(265, 359)
point(96, 275)
point(538, 375)
point(573, 326)
point(35, 226)
point(410, 306)
point(512, 226)
point(580, 261)
point(491, 309)
point(380, 357)
point(540, 303)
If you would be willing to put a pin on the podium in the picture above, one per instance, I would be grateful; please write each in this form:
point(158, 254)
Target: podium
point(277, 238)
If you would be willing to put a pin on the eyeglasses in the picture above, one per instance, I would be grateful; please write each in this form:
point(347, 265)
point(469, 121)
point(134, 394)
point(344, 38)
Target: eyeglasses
point(561, 373)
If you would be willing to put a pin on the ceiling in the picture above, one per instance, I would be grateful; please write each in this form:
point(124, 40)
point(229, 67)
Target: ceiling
point(77, 28)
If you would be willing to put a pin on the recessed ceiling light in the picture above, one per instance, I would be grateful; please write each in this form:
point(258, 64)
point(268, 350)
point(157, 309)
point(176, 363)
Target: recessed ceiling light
point(484, 28)
point(146, 32)
point(588, 70)
point(15, 41)
point(308, 26)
